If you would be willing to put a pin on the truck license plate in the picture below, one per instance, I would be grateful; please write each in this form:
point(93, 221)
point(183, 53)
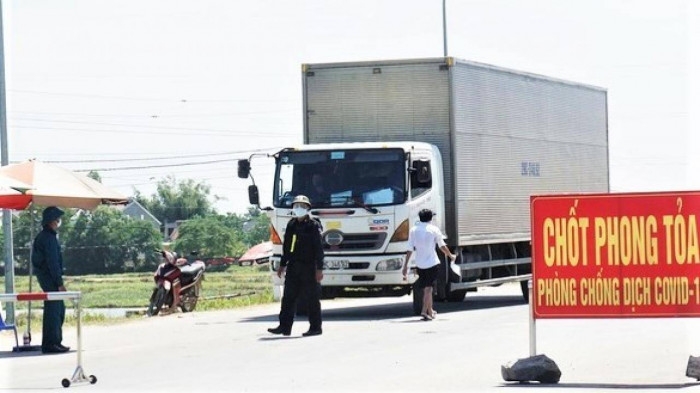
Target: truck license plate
point(335, 265)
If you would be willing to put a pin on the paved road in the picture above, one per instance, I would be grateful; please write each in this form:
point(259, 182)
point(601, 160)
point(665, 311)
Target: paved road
point(367, 345)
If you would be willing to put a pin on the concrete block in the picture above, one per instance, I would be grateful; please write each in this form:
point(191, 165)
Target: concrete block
point(538, 368)
point(693, 370)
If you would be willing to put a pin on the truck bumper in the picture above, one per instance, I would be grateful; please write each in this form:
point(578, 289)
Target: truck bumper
point(364, 279)
point(341, 277)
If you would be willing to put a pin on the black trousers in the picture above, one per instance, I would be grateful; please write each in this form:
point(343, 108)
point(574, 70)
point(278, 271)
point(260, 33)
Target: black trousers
point(54, 315)
point(52, 329)
point(301, 285)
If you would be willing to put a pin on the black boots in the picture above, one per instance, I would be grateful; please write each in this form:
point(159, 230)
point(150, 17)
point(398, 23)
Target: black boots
point(55, 348)
point(285, 332)
point(280, 330)
point(313, 332)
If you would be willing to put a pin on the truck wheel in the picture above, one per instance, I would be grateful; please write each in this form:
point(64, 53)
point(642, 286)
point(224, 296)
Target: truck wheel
point(457, 296)
point(441, 289)
point(417, 300)
point(525, 291)
point(328, 293)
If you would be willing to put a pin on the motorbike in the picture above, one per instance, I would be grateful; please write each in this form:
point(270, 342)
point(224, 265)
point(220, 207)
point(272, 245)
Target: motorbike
point(190, 272)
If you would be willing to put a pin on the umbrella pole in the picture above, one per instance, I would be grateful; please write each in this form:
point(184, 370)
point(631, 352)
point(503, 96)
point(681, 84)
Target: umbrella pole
point(28, 336)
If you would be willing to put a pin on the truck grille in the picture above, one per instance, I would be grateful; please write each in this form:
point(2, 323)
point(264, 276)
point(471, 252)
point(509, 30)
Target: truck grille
point(358, 242)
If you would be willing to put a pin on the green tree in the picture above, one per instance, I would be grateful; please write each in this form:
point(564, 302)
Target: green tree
point(108, 241)
point(256, 229)
point(103, 241)
point(22, 232)
point(95, 176)
point(175, 200)
point(253, 227)
point(25, 226)
point(209, 236)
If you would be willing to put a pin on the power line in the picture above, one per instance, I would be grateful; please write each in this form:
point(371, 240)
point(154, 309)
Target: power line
point(232, 177)
point(97, 96)
point(172, 100)
point(131, 125)
point(232, 133)
point(129, 168)
point(176, 164)
point(182, 156)
point(153, 115)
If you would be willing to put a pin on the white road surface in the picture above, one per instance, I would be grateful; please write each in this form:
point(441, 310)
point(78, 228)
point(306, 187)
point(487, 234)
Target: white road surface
point(368, 345)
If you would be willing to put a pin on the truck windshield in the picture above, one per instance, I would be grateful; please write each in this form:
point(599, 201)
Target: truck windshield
point(341, 178)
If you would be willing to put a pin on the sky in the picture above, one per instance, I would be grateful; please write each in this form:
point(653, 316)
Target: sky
point(144, 89)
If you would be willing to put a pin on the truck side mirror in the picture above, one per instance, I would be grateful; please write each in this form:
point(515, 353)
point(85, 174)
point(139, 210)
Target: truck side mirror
point(253, 196)
point(243, 169)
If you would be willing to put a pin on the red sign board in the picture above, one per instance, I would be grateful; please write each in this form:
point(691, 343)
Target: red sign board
point(616, 255)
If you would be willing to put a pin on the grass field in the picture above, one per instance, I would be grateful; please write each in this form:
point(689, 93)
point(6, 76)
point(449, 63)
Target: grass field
point(230, 287)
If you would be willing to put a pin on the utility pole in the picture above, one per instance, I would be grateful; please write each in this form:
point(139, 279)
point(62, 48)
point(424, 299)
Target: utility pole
point(444, 28)
point(6, 214)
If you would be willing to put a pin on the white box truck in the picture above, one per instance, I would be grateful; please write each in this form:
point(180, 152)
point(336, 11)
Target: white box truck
point(467, 140)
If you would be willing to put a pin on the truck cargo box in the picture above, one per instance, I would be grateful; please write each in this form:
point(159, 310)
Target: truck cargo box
point(503, 134)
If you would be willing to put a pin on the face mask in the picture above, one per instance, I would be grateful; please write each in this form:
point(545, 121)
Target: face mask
point(300, 211)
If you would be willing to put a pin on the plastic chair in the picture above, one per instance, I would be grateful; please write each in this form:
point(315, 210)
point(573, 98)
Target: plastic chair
point(3, 326)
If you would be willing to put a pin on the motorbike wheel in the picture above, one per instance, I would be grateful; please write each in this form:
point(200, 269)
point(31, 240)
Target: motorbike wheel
point(188, 301)
point(157, 300)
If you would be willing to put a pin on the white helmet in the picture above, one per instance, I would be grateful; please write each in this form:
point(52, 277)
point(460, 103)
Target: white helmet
point(301, 199)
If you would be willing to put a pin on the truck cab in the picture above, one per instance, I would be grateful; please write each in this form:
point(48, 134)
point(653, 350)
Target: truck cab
point(367, 197)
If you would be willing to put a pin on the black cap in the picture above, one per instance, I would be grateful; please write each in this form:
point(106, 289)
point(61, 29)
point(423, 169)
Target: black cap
point(51, 213)
point(425, 215)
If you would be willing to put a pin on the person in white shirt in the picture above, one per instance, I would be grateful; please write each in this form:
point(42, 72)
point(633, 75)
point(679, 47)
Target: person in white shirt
point(422, 240)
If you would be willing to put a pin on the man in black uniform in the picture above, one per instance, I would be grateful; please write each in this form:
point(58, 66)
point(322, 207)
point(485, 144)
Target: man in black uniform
point(302, 258)
point(47, 262)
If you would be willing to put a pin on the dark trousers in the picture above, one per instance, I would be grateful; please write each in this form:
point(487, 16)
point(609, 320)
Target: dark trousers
point(54, 316)
point(301, 286)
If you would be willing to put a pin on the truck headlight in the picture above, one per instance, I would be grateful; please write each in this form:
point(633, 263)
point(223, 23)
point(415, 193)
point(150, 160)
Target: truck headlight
point(390, 264)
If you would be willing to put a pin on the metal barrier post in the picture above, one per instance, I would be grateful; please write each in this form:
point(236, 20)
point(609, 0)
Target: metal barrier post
point(78, 374)
point(533, 332)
